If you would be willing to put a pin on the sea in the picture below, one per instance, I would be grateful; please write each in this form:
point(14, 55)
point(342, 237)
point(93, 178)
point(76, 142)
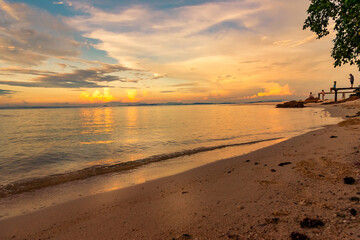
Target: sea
point(43, 147)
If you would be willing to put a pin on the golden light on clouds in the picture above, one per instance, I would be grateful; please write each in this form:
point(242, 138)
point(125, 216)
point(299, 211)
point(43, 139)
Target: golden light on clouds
point(134, 95)
point(97, 96)
point(273, 89)
point(131, 95)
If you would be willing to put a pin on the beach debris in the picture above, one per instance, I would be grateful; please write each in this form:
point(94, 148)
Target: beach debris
point(256, 163)
point(233, 236)
point(186, 236)
point(298, 236)
point(353, 212)
point(354, 199)
point(284, 163)
point(184, 192)
point(333, 136)
point(247, 160)
point(311, 223)
point(230, 171)
point(280, 213)
point(273, 170)
point(349, 180)
point(183, 237)
point(291, 104)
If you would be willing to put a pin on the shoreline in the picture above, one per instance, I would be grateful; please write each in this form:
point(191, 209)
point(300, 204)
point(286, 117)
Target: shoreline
point(221, 199)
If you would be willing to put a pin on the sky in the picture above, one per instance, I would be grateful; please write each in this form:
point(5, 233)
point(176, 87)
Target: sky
point(159, 51)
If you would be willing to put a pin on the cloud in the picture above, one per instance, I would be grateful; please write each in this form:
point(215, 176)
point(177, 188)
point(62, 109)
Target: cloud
point(7, 8)
point(6, 92)
point(29, 36)
point(19, 70)
point(79, 78)
point(134, 95)
point(214, 38)
point(273, 89)
point(97, 96)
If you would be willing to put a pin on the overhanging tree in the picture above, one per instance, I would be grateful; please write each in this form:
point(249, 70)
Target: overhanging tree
point(345, 14)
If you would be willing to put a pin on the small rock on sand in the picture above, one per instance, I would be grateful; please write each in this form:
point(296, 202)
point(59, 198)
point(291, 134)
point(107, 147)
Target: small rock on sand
point(284, 163)
point(298, 236)
point(354, 199)
point(349, 180)
point(311, 223)
point(353, 212)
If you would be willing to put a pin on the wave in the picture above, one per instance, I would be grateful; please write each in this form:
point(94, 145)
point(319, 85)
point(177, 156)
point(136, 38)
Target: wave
point(56, 179)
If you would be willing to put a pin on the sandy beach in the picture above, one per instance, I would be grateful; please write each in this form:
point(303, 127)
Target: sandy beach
point(266, 194)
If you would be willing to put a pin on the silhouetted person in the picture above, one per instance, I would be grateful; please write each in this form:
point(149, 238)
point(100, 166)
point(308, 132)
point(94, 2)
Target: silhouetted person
point(311, 95)
point(322, 94)
point(351, 80)
point(334, 85)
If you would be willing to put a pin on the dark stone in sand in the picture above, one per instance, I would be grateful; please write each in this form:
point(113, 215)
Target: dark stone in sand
point(321, 175)
point(247, 161)
point(349, 180)
point(291, 104)
point(353, 212)
point(186, 236)
point(333, 137)
point(311, 223)
point(298, 236)
point(354, 199)
point(233, 236)
point(184, 192)
point(273, 170)
point(284, 163)
point(256, 163)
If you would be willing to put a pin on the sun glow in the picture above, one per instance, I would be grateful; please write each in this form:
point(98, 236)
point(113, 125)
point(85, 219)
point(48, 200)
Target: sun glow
point(97, 96)
point(131, 95)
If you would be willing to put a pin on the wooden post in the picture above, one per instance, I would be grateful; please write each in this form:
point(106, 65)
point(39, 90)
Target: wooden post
point(335, 95)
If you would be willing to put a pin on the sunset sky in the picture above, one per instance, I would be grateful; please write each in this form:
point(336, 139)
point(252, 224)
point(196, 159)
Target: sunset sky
point(95, 51)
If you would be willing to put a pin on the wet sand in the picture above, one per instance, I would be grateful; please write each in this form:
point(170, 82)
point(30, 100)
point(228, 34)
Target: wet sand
point(265, 194)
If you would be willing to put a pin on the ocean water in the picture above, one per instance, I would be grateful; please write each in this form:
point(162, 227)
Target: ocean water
point(38, 146)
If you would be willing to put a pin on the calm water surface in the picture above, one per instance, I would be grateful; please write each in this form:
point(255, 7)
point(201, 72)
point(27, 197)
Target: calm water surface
point(41, 142)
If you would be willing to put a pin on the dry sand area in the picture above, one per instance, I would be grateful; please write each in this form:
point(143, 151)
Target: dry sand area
point(292, 190)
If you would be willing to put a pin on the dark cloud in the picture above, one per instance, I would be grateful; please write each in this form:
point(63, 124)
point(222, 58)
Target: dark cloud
point(16, 70)
point(6, 92)
point(79, 78)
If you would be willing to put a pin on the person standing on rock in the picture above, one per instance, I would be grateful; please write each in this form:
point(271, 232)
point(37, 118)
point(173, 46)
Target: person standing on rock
point(351, 80)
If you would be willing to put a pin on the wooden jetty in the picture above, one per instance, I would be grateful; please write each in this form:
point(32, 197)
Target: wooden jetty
point(341, 90)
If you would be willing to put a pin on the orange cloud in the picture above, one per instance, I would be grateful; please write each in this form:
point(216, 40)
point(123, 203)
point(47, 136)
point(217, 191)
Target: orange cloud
point(134, 95)
point(97, 96)
point(273, 89)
